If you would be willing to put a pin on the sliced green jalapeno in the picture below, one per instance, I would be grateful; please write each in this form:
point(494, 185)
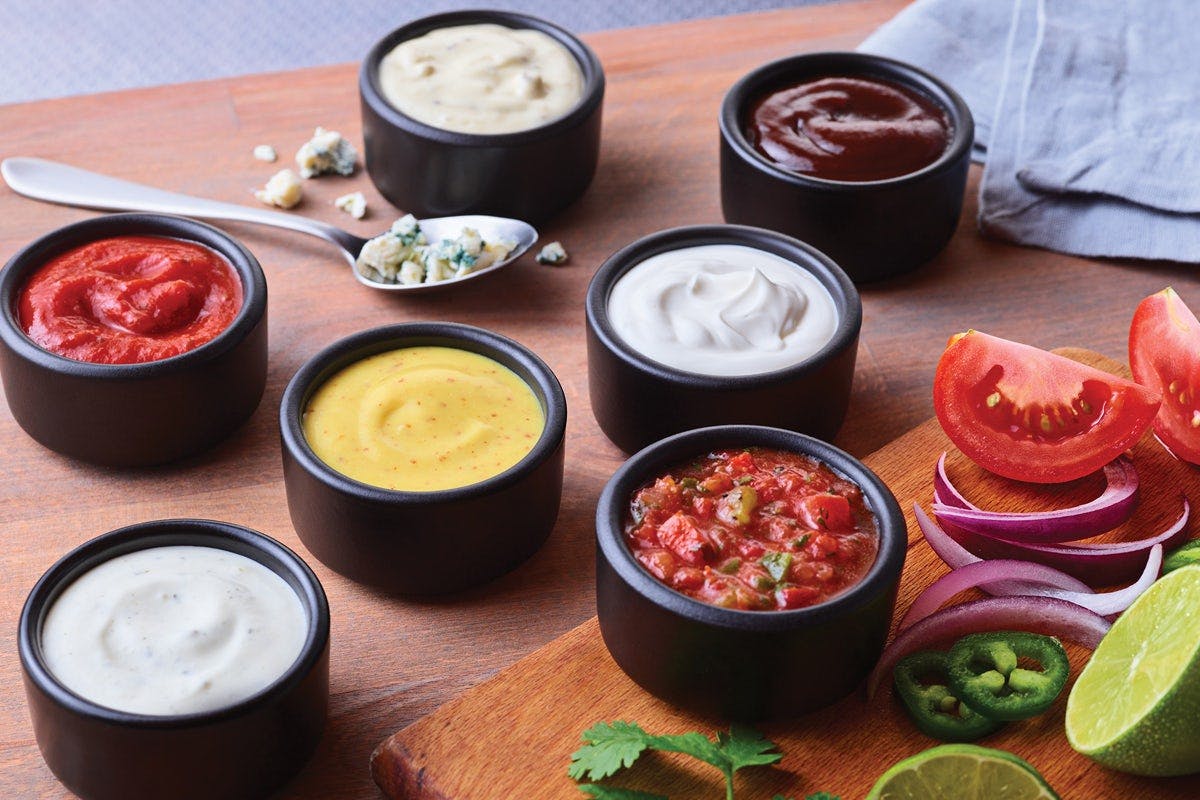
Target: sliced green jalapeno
point(985, 672)
point(921, 682)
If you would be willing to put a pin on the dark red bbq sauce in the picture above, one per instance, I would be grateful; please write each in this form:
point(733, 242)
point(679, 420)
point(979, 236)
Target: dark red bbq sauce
point(849, 129)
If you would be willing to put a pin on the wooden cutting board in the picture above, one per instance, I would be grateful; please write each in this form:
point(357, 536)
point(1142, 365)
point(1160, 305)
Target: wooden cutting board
point(512, 736)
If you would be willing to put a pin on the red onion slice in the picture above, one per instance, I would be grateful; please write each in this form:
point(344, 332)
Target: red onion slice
point(1098, 564)
point(1108, 603)
point(1113, 507)
point(956, 556)
point(948, 550)
point(1045, 615)
point(944, 491)
point(1042, 581)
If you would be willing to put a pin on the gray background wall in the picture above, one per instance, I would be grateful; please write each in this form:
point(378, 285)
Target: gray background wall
point(52, 48)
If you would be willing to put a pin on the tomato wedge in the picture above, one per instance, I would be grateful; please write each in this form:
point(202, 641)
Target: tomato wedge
point(1164, 354)
point(1035, 416)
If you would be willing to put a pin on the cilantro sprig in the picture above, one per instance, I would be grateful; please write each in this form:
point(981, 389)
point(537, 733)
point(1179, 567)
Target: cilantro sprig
point(610, 747)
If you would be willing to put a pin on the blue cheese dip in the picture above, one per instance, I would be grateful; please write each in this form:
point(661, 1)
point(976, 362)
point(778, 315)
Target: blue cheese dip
point(722, 310)
point(483, 78)
point(173, 630)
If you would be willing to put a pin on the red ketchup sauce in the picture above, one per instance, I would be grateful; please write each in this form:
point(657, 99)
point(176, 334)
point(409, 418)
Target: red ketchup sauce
point(755, 529)
point(849, 129)
point(129, 300)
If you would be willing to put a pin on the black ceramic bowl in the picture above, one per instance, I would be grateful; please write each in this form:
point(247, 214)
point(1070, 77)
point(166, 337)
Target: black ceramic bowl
point(637, 400)
point(240, 752)
point(135, 414)
point(529, 175)
point(431, 542)
point(743, 665)
point(872, 229)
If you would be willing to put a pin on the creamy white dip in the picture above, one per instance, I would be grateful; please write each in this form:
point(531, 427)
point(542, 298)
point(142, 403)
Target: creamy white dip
point(173, 630)
point(482, 78)
point(722, 309)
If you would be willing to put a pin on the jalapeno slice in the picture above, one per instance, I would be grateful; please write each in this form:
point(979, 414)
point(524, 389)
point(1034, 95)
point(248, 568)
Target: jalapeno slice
point(921, 682)
point(986, 673)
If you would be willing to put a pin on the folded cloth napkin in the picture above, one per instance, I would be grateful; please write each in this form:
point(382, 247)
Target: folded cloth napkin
point(1087, 115)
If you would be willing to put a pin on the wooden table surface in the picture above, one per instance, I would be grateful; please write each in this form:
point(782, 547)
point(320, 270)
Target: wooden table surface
point(395, 660)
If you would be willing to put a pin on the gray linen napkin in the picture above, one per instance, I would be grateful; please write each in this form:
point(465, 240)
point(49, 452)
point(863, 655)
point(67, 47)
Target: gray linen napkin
point(1089, 115)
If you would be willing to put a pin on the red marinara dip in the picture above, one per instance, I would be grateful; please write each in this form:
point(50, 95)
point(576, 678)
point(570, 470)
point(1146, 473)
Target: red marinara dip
point(755, 529)
point(849, 129)
point(129, 300)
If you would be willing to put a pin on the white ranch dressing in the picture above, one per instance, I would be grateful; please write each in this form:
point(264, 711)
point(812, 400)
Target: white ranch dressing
point(173, 630)
point(723, 310)
point(483, 78)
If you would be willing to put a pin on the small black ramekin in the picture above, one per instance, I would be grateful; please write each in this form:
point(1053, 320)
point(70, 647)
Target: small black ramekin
point(424, 543)
point(742, 665)
point(529, 175)
point(637, 400)
point(242, 752)
point(872, 229)
point(128, 415)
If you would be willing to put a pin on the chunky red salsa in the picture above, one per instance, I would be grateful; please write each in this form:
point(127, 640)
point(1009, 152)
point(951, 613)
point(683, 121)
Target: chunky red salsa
point(755, 529)
point(130, 299)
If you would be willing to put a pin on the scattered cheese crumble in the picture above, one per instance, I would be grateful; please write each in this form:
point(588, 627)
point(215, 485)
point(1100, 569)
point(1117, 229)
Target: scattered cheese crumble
point(404, 255)
point(283, 190)
point(264, 152)
point(326, 152)
point(353, 204)
point(553, 253)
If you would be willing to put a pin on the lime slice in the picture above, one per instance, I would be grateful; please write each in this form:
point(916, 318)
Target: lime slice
point(1136, 705)
point(962, 772)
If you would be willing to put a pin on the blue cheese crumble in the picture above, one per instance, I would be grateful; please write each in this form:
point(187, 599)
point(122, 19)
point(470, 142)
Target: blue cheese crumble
point(264, 152)
point(353, 204)
point(554, 254)
point(326, 152)
point(283, 190)
point(405, 256)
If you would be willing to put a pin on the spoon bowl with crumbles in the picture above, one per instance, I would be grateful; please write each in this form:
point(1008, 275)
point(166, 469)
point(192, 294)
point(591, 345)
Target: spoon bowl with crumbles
point(412, 256)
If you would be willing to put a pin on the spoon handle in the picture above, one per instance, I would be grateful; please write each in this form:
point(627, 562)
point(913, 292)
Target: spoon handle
point(72, 186)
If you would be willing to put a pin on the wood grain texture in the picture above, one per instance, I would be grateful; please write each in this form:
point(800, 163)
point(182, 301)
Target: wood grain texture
point(513, 736)
point(394, 660)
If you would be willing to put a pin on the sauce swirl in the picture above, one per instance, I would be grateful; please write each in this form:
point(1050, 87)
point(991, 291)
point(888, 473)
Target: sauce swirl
point(722, 309)
point(129, 300)
point(423, 419)
point(483, 78)
point(173, 630)
point(849, 129)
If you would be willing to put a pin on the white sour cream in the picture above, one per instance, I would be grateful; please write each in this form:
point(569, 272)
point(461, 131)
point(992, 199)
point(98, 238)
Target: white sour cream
point(482, 78)
point(723, 310)
point(173, 630)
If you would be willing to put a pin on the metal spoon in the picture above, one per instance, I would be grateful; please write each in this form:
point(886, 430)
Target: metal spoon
point(72, 186)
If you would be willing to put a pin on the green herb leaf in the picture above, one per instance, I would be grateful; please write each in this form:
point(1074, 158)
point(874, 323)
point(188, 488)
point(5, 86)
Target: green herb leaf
point(694, 744)
point(822, 796)
point(613, 746)
point(777, 564)
point(610, 747)
point(617, 793)
point(803, 540)
point(746, 747)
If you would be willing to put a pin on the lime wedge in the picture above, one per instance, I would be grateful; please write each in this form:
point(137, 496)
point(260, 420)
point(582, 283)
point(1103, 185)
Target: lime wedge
point(1136, 705)
point(962, 772)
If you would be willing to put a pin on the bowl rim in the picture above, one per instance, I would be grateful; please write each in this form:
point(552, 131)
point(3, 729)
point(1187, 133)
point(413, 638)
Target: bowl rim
point(836, 62)
point(270, 553)
point(642, 466)
point(371, 93)
point(77, 234)
point(846, 300)
point(346, 351)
